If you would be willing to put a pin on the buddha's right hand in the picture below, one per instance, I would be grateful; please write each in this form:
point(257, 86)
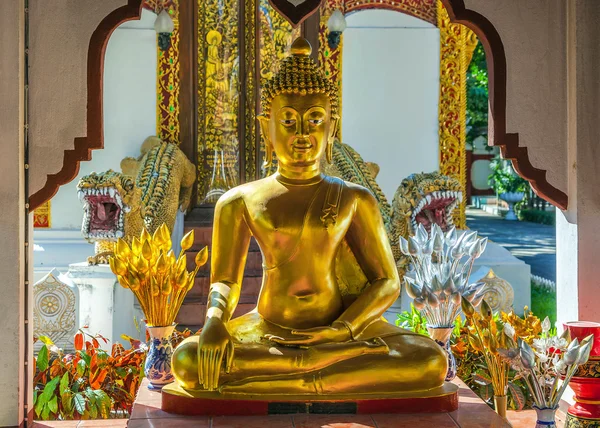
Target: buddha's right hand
point(214, 345)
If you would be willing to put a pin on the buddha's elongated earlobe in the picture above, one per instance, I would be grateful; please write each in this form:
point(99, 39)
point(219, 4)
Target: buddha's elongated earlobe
point(263, 122)
point(335, 120)
point(268, 155)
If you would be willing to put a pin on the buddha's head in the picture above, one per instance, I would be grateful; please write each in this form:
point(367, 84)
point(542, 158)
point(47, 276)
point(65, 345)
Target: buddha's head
point(300, 110)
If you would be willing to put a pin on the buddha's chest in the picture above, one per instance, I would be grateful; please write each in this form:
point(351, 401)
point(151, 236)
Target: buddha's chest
point(299, 213)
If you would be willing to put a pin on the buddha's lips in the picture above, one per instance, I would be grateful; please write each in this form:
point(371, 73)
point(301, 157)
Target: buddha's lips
point(436, 207)
point(303, 144)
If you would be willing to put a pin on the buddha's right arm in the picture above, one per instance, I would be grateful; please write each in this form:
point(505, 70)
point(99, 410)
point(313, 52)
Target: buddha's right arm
point(230, 241)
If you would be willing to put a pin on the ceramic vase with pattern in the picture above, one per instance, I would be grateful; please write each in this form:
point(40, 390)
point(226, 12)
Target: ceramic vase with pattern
point(442, 337)
point(158, 361)
point(545, 417)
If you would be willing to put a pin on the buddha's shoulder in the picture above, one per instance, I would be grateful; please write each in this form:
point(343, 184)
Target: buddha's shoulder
point(357, 192)
point(239, 194)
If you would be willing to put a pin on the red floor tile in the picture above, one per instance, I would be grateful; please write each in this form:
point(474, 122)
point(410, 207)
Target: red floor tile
point(252, 422)
point(105, 423)
point(169, 423)
point(55, 424)
point(440, 420)
point(333, 421)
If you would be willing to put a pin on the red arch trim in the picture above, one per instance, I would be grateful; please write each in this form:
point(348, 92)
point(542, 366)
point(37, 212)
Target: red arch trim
point(95, 122)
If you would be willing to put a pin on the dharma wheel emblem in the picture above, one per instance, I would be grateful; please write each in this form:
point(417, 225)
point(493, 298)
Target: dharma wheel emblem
point(296, 11)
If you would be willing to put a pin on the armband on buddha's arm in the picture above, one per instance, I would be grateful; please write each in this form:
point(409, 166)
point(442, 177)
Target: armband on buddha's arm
point(217, 301)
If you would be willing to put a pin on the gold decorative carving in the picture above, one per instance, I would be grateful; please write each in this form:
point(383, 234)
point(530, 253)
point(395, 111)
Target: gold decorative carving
point(457, 44)
point(218, 90)
point(422, 9)
point(576, 422)
point(498, 293)
point(331, 60)
point(55, 310)
point(167, 79)
point(591, 369)
point(42, 216)
point(250, 58)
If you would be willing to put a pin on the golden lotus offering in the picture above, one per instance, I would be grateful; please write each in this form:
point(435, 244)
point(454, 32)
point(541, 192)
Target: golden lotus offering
point(159, 279)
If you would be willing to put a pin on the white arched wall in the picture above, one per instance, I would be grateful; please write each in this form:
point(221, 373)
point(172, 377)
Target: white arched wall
point(129, 117)
point(390, 93)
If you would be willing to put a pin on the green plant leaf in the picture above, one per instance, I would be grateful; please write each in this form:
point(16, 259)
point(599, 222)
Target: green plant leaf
point(89, 393)
point(39, 405)
point(517, 395)
point(481, 378)
point(64, 384)
point(93, 409)
point(104, 403)
point(85, 357)
point(45, 413)
point(53, 404)
point(81, 366)
point(67, 403)
point(49, 390)
point(79, 403)
point(42, 359)
point(486, 392)
point(46, 340)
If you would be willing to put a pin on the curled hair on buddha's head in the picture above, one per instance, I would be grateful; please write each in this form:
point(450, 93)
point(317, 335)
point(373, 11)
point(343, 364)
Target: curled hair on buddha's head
point(298, 74)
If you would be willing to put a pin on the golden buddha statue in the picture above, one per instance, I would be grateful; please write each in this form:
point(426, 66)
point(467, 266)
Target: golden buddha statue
point(309, 334)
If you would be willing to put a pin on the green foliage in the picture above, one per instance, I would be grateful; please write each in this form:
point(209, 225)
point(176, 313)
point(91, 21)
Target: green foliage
point(504, 179)
point(543, 302)
point(537, 216)
point(477, 95)
point(89, 384)
point(412, 320)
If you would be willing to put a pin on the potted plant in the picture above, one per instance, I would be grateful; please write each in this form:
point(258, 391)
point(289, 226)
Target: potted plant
point(509, 186)
point(439, 277)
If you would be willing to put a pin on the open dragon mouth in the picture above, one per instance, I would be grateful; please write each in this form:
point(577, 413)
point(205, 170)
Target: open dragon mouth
point(103, 213)
point(436, 207)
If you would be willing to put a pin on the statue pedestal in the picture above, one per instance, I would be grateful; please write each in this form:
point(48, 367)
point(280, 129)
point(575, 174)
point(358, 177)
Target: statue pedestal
point(178, 401)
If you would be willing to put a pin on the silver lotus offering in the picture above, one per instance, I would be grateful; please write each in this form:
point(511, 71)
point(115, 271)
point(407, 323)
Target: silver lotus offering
point(440, 271)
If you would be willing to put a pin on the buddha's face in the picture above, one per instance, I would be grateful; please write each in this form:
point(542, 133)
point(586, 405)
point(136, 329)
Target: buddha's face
point(299, 128)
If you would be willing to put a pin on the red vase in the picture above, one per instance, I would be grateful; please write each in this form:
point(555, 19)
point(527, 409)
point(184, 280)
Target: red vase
point(586, 382)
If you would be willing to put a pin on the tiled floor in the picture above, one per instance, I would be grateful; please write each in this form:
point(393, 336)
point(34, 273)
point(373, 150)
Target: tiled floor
point(472, 413)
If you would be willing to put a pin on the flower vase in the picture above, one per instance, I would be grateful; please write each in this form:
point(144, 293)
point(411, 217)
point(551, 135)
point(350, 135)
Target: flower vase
point(500, 404)
point(545, 417)
point(511, 198)
point(442, 337)
point(158, 361)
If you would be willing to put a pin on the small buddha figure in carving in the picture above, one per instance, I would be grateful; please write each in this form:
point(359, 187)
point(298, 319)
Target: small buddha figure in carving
point(309, 334)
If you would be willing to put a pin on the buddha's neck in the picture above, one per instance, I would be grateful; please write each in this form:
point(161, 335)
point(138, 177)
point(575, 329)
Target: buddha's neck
point(299, 175)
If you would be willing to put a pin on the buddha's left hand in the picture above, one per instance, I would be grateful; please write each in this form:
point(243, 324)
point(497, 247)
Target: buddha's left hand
point(314, 336)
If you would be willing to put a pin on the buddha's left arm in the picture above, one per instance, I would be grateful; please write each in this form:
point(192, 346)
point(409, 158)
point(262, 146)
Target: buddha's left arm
point(369, 242)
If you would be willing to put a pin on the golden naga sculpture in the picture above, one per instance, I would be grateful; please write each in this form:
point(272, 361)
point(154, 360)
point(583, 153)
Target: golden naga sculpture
point(309, 335)
point(147, 194)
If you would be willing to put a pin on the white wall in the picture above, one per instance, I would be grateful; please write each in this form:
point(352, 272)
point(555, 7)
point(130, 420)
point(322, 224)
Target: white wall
point(390, 75)
point(129, 110)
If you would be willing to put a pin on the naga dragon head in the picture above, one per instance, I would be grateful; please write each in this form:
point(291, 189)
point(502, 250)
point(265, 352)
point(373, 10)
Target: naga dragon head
point(107, 199)
point(426, 198)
